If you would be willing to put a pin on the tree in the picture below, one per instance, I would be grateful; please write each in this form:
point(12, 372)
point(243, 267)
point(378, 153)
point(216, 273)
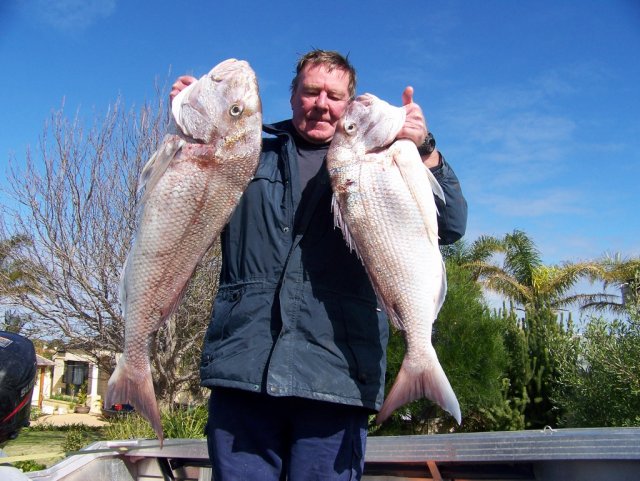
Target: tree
point(15, 322)
point(14, 271)
point(77, 203)
point(539, 292)
point(599, 373)
point(522, 277)
point(617, 272)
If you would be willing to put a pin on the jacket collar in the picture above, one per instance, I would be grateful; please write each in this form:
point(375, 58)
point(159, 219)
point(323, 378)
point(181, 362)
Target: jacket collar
point(283, 127)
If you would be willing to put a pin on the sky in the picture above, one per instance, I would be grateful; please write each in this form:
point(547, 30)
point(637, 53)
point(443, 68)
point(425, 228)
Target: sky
point(535, 104)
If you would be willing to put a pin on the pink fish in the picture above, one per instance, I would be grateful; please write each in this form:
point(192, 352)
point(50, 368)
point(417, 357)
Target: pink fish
point(384, 204)
point(192, 185)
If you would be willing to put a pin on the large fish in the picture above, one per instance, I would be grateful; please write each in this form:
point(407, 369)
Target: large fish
point(192, 184)
point(384, 203)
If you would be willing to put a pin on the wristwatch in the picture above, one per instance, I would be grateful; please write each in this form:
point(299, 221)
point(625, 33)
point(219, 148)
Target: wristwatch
point(428, 146)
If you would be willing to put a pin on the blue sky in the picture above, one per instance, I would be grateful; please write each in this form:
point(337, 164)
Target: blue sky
point(535, 104)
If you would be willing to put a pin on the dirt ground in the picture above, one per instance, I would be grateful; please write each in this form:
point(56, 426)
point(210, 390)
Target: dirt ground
point(72, 418)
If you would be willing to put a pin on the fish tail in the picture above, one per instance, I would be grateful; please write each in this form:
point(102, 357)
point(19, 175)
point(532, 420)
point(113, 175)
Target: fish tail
point(135, 386)
point(415, 382)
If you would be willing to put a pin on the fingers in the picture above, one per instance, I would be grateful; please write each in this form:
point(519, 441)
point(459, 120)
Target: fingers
point(407, 96)
point(180, 84)
point(415, 126)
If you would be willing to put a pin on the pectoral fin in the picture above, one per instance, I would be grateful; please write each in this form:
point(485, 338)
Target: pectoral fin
point(420, 182)
point(157, 165)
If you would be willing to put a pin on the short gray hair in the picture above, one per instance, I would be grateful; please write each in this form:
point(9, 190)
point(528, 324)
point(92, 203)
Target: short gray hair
point(331, 60)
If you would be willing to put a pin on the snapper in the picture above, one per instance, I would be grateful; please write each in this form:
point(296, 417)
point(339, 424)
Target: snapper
point(383, 200)
point(191, 186)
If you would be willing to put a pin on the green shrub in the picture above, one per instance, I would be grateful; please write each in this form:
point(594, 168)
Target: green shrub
point(75, 440)
point(35, 413)
point(64, 427)
point(29, 465)
point(62, 397)
point(176, 423)
point(130, 426)
point(185, 423)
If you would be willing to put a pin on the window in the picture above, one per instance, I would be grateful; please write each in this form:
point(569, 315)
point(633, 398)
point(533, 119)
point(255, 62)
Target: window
point(76, 373)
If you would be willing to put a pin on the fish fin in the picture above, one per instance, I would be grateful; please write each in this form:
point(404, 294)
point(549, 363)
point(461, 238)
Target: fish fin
point(135, 387)
point(414, 382)
point(436, 188)
point(339, 222)
point(443, 289)
point(394, 317)
point(157, 165)
point(407, 160)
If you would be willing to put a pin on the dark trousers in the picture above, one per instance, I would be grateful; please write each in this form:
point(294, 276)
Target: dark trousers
point(260, 437)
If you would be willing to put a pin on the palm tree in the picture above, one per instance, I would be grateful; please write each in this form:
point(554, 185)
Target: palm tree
point(521, 277)
point(617, 272)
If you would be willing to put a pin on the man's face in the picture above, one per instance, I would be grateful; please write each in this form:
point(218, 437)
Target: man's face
point(319, 101)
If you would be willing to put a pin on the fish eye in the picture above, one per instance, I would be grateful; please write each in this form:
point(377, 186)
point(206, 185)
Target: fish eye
point(350, 128)
point(235, 110)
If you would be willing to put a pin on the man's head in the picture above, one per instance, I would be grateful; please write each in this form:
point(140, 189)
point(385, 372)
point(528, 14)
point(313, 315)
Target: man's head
point(320, 91)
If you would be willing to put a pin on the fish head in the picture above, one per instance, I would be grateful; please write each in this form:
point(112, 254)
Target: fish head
point(219, 103)
point(370, 123)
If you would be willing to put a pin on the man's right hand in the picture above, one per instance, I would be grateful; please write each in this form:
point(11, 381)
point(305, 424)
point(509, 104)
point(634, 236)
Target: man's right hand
point(179, 85)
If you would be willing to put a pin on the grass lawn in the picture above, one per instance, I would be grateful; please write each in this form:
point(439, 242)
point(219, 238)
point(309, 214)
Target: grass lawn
point(51, 442)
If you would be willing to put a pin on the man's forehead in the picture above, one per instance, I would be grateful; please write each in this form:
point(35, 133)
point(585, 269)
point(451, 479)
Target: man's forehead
point(312, 74)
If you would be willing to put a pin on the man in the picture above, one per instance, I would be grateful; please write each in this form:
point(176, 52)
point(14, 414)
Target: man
point(295, 351)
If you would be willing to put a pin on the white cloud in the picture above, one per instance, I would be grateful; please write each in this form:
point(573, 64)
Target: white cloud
point(535, 204)
point(69, 15)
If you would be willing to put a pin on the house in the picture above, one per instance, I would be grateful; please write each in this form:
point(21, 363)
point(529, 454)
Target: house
point(42, 388)
point(64, 375)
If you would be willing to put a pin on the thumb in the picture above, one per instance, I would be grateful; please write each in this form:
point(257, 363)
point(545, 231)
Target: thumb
point(407, 96)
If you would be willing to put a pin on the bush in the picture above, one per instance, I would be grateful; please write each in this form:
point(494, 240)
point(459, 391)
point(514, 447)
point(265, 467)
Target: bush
point(75, 440)
point(64, 427)
point(29, 465)
point(600, 375)
point(62, 397)
point(176, 423)
point(185, 423)
point(131, 426)
point(35, 413)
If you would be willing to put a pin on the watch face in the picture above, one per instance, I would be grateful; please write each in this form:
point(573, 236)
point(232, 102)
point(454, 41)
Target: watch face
point(428, 146)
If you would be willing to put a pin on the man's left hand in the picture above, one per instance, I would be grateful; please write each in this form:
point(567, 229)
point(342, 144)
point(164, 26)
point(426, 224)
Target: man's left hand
point(415, 126)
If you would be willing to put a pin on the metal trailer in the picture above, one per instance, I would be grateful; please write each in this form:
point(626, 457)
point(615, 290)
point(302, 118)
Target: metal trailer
point(550, 455)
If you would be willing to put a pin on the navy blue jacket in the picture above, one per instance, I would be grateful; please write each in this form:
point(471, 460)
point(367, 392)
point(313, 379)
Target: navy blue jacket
point(295, 313)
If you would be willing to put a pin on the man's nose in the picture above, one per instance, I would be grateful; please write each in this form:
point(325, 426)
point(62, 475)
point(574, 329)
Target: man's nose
point(321, 100)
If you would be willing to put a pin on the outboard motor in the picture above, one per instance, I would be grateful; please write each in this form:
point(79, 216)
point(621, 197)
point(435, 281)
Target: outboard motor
point(17, 378)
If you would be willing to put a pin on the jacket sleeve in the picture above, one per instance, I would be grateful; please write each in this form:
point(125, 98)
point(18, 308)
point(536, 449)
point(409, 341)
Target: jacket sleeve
point(452, 218)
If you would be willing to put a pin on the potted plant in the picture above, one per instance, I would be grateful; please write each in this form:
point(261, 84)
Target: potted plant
point(81, 396)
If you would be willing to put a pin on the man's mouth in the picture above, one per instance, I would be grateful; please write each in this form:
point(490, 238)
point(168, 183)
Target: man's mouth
point(317, 121)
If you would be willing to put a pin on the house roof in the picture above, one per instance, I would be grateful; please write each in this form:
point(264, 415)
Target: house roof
point(43, 361)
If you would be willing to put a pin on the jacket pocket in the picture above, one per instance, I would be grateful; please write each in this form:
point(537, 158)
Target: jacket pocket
point(225, 302)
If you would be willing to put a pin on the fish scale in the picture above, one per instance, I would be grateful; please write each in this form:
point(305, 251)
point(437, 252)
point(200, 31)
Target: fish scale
point(384, 204)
